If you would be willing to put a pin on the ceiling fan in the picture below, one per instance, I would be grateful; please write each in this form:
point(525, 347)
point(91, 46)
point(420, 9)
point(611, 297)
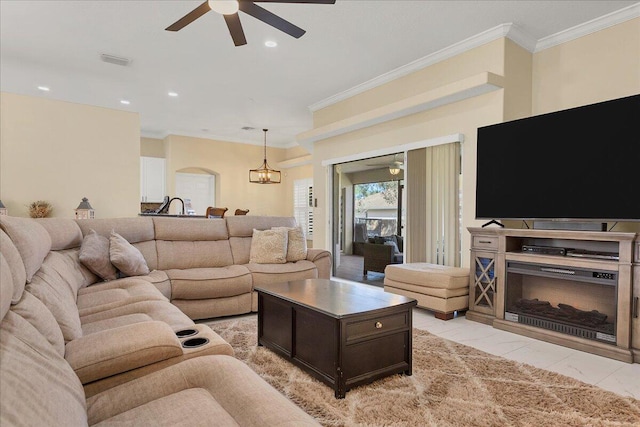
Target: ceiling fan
point(394, 167)
point(229, 9)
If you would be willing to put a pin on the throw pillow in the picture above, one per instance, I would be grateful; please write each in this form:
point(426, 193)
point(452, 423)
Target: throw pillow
point(296, 243)
point(94, 254)
point(126, 257)
point(268, 247)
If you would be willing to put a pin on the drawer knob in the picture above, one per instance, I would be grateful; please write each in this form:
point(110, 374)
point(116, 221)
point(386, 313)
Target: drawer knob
point(378, 325)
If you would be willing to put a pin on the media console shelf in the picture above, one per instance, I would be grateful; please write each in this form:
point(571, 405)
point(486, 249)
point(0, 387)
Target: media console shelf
point(578, 289)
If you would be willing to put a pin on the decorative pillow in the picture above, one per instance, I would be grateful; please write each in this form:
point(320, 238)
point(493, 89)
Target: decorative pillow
point(94, 254)
point(399, 241)
point(126, 257)
point(269, 247)
point(297, 243)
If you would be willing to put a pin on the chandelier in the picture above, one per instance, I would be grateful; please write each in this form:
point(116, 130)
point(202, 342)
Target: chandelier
point(264, 174)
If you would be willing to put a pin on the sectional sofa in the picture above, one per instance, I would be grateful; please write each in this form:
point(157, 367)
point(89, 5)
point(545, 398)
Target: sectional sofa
point(77, 350)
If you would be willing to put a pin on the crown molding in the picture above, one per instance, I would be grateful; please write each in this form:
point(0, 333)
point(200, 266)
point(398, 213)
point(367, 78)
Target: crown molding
point(295, 162)
point(457, 91)
point(504, 30)
point(589, 27)
point(163, 135)
point(509, 30)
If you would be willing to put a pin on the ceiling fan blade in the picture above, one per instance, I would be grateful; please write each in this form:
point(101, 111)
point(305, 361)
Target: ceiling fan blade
point(297, 1)
point(235, 29)
point(269, 18)
point(189, 17)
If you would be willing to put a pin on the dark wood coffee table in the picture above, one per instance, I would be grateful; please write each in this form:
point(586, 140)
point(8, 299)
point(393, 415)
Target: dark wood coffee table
point(342, 334)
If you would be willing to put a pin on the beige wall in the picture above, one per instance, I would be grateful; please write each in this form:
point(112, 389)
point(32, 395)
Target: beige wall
point(597, 67)
point(594, 68)
point(460, 117)
point(230, 162)
point(60, 152)
point(151, 147)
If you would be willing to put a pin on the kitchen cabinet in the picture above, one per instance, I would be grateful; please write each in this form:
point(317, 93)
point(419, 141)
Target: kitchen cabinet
point(152, 179)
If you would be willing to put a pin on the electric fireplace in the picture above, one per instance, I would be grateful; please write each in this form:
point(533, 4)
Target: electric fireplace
point(574, 301)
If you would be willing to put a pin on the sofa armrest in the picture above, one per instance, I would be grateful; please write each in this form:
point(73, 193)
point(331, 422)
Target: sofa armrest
point(316, 254)
point(322, 259)
point(121, 349)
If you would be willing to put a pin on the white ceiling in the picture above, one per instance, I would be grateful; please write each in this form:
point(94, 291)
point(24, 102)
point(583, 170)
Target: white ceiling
point(223, 88)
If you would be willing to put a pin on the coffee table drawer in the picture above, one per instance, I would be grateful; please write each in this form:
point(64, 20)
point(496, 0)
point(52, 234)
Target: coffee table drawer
point(377, 325)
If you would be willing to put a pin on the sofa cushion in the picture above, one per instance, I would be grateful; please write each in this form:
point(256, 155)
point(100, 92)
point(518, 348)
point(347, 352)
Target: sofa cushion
point(38, 315)
point(243, 395)
point(114, 322)
point(194, 229)
point(156, 310)
point(269, 246)
point(193, 254)
point(38, 386)
point(15, 267)
point(125, 257)
point(6, 286)
point(204, 283)
point(116, 293)
point(64, 233)
point(160, 280)
point(296, 243)
point(94, 254)
point(243, 225)
point(30, 238)
point(51, 287)
point(196, 407)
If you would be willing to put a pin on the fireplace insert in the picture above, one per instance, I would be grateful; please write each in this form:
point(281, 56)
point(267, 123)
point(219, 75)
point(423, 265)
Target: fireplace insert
point(573, 301)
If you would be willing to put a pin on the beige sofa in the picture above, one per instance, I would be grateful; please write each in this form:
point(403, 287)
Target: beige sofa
point(75, 350)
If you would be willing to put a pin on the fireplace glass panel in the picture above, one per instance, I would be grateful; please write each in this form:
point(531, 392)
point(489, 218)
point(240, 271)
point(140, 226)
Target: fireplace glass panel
point(577, 302)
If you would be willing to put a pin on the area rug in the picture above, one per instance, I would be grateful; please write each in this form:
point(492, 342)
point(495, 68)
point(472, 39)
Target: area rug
point(451, 385)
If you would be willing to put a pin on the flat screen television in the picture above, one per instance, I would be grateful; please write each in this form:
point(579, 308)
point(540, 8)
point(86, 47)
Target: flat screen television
point(579, 164)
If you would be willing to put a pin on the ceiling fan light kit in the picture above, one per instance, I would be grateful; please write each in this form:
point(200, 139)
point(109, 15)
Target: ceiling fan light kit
point(224, 7)
point(264, 174)
point(229, 10)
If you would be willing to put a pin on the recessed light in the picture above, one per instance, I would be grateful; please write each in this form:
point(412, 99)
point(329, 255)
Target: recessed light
point(270, 43)
point(125, 102)
point(43, 88)
point(174, 94)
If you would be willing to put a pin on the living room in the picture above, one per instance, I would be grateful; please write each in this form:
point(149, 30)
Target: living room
point(60, 150)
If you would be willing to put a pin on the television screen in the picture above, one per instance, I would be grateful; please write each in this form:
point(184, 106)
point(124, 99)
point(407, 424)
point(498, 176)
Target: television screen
point(582, 164)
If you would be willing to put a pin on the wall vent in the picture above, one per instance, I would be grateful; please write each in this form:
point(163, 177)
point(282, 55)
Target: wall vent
point(111, 59)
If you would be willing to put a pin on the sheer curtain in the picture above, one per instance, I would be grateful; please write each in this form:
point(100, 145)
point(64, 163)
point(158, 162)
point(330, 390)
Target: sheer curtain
point(433, 204)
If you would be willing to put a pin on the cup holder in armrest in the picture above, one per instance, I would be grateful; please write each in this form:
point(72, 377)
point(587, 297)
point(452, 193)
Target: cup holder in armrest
point(195, 342)
point(186, 333)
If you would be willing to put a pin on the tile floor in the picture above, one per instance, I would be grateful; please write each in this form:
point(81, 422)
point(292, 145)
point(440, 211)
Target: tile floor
point(618, 377)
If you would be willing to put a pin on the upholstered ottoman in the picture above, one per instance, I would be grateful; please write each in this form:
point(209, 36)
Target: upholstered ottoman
point(439, 288)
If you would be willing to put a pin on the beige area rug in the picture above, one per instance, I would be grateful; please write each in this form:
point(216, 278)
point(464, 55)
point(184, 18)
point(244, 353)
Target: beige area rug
point(451, 385)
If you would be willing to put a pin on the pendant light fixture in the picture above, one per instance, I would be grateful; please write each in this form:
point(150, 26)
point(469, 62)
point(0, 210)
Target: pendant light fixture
point(264, 174)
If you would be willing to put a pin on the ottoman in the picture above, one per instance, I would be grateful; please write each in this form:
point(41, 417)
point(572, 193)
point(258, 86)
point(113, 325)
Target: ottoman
point(439, 288)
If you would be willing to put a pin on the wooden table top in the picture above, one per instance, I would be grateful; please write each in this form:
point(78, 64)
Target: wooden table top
point(337, 299)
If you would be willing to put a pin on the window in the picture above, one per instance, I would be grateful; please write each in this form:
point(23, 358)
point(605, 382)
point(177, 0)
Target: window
point(303, 204)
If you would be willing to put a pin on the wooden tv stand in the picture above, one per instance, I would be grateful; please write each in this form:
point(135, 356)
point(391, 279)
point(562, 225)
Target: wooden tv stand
point(608, 262)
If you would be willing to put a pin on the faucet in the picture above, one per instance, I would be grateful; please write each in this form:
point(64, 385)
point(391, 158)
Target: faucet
point(181, 201)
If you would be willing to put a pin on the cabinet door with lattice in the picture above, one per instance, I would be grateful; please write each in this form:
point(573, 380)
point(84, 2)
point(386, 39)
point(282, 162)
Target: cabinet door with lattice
point(483, 289)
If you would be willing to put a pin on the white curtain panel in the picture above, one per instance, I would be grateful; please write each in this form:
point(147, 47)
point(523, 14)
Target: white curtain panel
point(433, 204)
